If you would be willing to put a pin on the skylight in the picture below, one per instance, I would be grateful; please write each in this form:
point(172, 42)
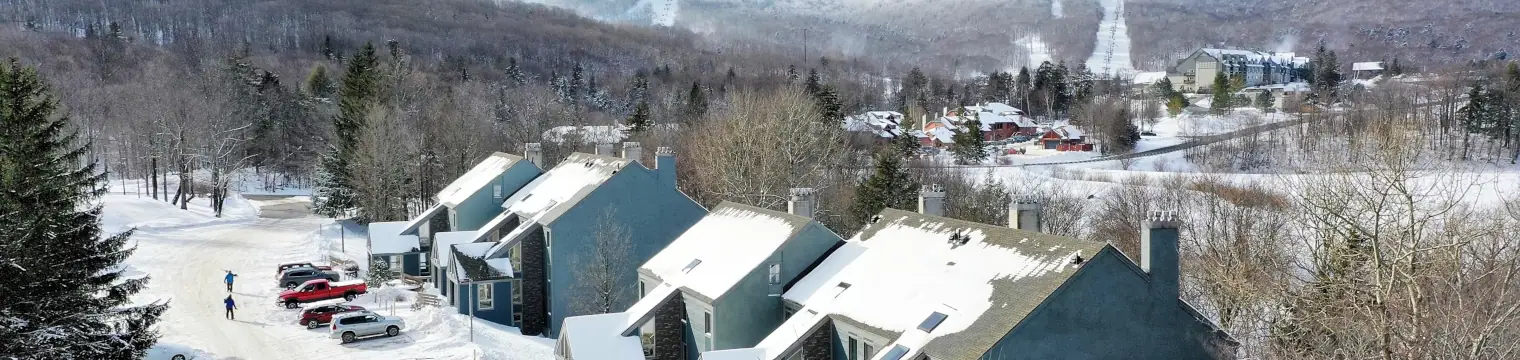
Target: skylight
point(693, 264)
point(896, 353)
point(932, 322)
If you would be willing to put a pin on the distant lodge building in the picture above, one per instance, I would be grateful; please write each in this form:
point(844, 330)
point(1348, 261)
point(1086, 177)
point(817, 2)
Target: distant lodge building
point(1196, 72)
point(998, 121)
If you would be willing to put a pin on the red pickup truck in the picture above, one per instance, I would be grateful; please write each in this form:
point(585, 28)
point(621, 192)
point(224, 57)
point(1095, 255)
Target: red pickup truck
point(321, 289)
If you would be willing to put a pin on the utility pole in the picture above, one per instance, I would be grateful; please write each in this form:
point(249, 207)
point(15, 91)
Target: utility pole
point(805, 58)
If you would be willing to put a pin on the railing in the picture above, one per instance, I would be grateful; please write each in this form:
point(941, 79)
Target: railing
point(425, 299)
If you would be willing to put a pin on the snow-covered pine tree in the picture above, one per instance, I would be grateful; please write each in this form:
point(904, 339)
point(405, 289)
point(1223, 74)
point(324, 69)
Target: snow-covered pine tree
point(970, 147)
point(639, 122)
point(890, 186)
point(1223, 101)
point(361, 89)
point(64, 295)
point(696, 103)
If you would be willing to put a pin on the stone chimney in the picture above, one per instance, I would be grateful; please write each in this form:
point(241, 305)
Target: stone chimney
point(633, 151)
point(604, 149)
point(665, 166)
point(803, 202)
point(931, 200)
point(534, 152)
point(1158, 254)
point(1025, 215)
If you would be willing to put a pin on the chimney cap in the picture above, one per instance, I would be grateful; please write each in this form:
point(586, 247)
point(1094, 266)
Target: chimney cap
point(632, 144)
point(532, 146)
point(932, 189)
point(1162, 220)
point(802, 191)
point(664, 151)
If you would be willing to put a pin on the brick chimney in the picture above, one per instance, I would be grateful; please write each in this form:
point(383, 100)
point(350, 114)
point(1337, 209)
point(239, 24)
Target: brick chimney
point(1025, 215)
point(803, 202)
point(633, 151)
point(534, 152)
point(665, 166)
point(1158, 253)
point(931, 200)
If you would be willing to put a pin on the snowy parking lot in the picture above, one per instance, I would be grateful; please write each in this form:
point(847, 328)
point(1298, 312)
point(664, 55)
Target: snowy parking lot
point(186, 252)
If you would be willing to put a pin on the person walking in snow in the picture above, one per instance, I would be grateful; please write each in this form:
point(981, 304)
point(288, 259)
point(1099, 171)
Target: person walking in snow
point(229, 278)
point(231, 305)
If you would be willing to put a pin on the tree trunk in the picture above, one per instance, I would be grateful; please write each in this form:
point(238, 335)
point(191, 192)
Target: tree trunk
point(153, 176)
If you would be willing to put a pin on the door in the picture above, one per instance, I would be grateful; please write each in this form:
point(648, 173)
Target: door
point(372, 325)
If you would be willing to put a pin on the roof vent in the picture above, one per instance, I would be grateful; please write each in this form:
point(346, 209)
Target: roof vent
point(875, 218)
point(957, 239)
point(1076, 259)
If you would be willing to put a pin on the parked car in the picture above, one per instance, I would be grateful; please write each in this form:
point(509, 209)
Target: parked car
point(352, 326)
point(315, 316)
point(289, 266)
point(321, 289)
point(297, 276)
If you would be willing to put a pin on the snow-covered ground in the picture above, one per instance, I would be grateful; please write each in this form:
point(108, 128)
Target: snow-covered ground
point(187, 251)
point(1039, 52)
point(1111, 54)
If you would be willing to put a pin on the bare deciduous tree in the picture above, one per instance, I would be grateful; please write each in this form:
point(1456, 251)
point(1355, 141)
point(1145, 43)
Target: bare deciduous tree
point(600, 287)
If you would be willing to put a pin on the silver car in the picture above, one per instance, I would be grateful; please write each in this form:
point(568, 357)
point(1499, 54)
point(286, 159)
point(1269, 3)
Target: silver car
point(350, 327)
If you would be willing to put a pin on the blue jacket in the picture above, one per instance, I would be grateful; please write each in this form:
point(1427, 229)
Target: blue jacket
point(229, 277)
point(230, 303)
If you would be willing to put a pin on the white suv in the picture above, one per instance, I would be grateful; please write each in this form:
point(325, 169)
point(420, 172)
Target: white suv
point(350, 327)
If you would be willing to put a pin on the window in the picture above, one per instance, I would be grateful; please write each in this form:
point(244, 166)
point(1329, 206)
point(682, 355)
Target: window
point(642, 292)
point(775, 274)
point(422, 265)
point(395, 262)
point(707, 323)
point(853, 349)
point(496, 191)
point(484, 297)
point(896, 353)
point(869, 351)
point(787, 313)
point(932, 322)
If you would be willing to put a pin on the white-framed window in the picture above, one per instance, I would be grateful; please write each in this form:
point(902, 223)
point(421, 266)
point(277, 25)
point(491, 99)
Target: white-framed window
point(422, 265)
point(707, 327)
point(485, 299)
point(859, 349)
point(395, 262)
point(548, 250)
point(774, 275)
point(496, 191)
point(642, 292)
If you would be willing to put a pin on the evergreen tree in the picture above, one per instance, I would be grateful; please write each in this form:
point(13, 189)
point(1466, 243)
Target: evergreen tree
point(1022, 84)
point(1475, 115)
point(1326, 74)
point(318, 85)
point(1265, 101)
point(638, 90)
point(515, 73)
point(696, 103)
point(639, 121)
point(577, 86)
point(970, 146)
point(63, 293)
point(327, 48)
point(361, 88)
point(1223, 100)
point(1165, 88)
point(889, 186)
point(813, 84)
point(1082, 86)
point(791, 74)
point(830, 110)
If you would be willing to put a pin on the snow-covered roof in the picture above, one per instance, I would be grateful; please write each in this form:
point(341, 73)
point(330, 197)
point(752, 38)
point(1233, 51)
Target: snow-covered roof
point(1256, 57)
point(470, 263)
point(715, 254)
point(422, 218)
point(1289, 87)
point(386, 238)
point(728, 243)
point(445, 241)
point(886, 124)
point(1367, 66)
point(596, 337)
point(1147, 78)
point(596, 134)
point(476, 179)
point(1068, 132)
point(543, 200)
point(905, 267)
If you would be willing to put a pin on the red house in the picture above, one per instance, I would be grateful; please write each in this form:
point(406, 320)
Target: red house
point(999, 121)
point(1063, 138)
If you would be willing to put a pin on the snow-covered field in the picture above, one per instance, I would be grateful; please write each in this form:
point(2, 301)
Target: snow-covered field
point(187, 251)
